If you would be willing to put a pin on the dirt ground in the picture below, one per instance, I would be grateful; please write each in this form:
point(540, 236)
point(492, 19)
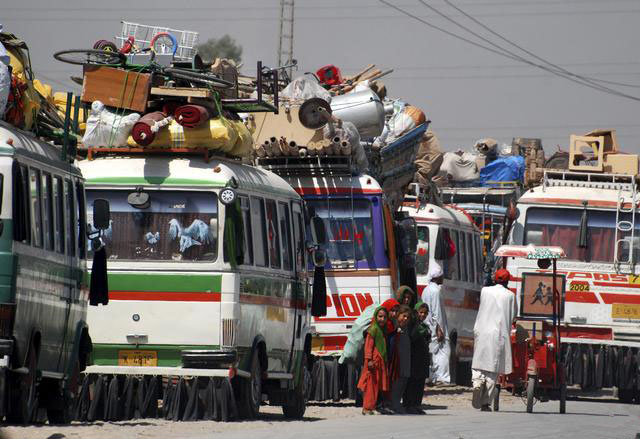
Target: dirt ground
point(437, 399)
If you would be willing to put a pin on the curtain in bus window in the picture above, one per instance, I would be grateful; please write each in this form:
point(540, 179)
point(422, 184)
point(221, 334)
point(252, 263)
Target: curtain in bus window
point(547, 227)
point(177, 226)
point(422, 254)
point(349, 226)
point(36, 215)
point(71, 219)
point(272, 234)
point(246, 223)
point(462, 254)
point(258, 221)
point(58, 202)
point(285, 233)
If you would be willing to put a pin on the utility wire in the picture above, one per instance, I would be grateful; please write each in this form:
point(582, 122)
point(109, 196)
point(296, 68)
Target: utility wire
point(503, 38)
point(502, 52)
point(553, 69)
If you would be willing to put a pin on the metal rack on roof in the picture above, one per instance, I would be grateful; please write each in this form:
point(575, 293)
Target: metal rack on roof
point(311, 166)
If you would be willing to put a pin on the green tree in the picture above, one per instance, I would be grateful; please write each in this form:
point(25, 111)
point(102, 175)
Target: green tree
point(223, 47)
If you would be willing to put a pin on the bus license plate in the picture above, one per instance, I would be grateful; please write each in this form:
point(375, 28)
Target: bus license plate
point(625, 311)
point(137, 358)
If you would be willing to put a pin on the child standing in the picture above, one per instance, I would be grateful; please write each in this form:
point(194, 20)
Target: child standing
point(373, 379)
point(401, 363)
point(420, 338)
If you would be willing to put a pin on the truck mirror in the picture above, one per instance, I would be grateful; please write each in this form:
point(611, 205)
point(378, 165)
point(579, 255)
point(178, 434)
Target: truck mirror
point(101, 214)
point(318, 231)
point(319, 258)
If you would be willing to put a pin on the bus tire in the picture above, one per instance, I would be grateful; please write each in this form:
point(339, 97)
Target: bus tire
point(296, 402)
point(251, 390)
point(23, 396)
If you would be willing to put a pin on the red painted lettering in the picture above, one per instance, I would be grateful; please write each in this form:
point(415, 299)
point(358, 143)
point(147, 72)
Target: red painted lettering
point(601, 276)
point(350, 305)
point(338, 305)
point(619, 278)
point(364, 300)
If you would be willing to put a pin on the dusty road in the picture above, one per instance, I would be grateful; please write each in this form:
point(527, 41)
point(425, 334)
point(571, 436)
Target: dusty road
point(449, 416)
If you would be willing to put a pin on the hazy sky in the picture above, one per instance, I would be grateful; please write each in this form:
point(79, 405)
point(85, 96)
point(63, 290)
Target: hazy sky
point(467, 92)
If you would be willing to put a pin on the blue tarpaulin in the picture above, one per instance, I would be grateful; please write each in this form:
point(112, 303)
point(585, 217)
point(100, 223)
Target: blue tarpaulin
point(510, 168)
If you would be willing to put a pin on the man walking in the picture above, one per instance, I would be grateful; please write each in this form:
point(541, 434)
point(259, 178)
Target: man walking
point(437, 321)
point(492, 341)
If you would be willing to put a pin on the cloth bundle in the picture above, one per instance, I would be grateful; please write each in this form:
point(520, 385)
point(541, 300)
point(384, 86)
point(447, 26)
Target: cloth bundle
point(191, 116)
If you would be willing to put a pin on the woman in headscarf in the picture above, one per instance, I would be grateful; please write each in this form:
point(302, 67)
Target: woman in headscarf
point(420, 336)
point(437, 321)
point(374, 379)
point(400, 364)
point(406, 296)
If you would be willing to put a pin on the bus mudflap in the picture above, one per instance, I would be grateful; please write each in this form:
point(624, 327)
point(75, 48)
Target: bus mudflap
point(333, 381)
point(175, 398)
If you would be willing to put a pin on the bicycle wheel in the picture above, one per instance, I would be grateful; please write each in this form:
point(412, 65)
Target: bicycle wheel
point(90, 56)
point(197, 77)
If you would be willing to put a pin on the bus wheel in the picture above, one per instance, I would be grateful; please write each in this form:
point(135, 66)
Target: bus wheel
point(296, 403)
point(23, 393)
point(251, 395)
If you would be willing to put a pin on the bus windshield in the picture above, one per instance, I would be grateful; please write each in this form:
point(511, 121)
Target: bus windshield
point(177, 226)
point(349, 226)
point(547, 227)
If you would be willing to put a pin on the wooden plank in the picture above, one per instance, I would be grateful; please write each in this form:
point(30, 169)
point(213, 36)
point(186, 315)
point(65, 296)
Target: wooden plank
point(181, 92)
point(116, 87)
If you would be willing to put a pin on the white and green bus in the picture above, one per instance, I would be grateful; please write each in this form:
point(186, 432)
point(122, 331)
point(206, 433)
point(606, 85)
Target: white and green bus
point(44, 338)
point(208, 277)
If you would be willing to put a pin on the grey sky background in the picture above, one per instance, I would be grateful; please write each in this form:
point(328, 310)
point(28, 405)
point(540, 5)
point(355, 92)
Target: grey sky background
point(468, 93)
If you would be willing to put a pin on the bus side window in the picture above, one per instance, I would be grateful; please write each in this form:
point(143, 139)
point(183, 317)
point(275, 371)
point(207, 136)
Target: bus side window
point(21, 221)
point(35, 189)
point(258, 221)
point(58, 205)
point(454, 269)
point(422, 253)
point(298, 237)
point(81, 223)
point(47, 211)
point(71, 219)
point(272, 234)
point(248, 237)
point(285, 233)
point(480, 260)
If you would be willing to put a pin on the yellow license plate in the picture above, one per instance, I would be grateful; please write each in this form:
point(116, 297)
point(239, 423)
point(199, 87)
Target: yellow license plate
point(625, 311)
point(137, 358)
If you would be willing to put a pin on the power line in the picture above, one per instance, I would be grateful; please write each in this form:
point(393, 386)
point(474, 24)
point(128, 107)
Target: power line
point(505, 53)
point(553, 69)
point(484, 26)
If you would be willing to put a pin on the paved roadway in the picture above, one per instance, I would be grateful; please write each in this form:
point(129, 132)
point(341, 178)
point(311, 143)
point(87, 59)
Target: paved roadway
point(449, 416)
point(584, 419)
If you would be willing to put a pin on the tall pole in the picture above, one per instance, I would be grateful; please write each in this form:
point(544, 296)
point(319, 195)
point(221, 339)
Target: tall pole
point(285, 51)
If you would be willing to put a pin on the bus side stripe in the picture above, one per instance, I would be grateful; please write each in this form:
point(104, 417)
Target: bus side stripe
point(164, 296)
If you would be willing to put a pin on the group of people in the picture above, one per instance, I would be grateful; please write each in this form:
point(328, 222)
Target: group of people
point(404, 335)
point(408, 338)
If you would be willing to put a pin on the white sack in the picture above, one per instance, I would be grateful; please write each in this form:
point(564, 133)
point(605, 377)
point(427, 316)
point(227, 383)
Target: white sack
point(105, 128)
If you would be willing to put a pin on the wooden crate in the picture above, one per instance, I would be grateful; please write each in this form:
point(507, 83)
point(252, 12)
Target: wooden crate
point(116, 87)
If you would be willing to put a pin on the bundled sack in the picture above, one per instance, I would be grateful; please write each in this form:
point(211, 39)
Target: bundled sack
point(304, 88)
point(228, 136)
point(428, 159)
point(404, 119)
point(510, 168)
point(355, 338)
point(459, 166)
point(105, 128)
point(145, 130)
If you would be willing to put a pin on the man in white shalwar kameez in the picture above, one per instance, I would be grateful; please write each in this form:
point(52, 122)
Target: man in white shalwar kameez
point(440, 349)
point(492, 340)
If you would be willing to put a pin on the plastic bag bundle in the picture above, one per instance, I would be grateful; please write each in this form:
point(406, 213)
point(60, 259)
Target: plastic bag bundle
point(355, 338)
point(405, 118)
point(105, 128)
point(304, 88)
point(359, 155)
point(459, 167)
point(5, 87)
